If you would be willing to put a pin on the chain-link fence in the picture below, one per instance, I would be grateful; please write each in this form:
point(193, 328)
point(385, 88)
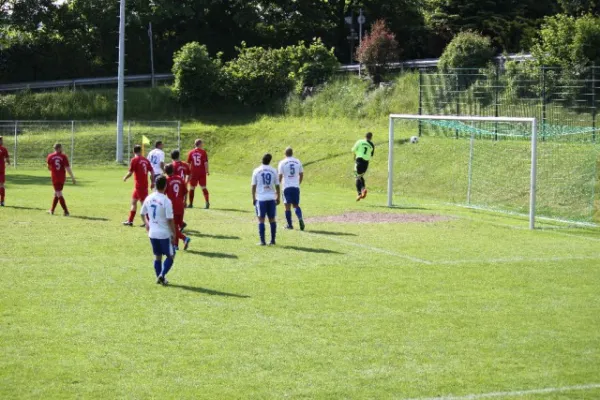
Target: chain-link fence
point(85, 142)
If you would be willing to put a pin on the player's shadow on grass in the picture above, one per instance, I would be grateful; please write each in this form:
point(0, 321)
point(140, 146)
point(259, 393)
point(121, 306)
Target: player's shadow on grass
point(19, 179)
point(310, 250)
point(26, 208)
point(331, 233)
point(206, 235)
point(212, 255)
point(232, 210)
point(210, 292)
point(90, 218)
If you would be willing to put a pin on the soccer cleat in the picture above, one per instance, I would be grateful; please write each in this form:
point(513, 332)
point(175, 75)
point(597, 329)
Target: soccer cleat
point(160, 280)
point(301, 223)
point(363, 193)
point(128, 223)
point(288, 227)
point(190, 206)
point(165, 282)
point(183, 227)
point(50, 212)
point(67, 214)
point(359, 197)
point(207, 205)
point(142, 225)
point(1, 204)
point(261, 244)
point(186, 243)
point(272, 243)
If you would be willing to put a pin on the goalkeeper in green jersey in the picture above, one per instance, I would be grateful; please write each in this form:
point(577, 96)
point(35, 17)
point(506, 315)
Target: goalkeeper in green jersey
point(363, 150)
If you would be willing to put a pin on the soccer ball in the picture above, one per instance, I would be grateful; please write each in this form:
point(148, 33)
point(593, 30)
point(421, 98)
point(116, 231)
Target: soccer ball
point(414, 139)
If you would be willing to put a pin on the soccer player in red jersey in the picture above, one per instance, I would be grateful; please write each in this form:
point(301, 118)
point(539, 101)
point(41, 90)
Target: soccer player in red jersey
point(176, 192)
point(141, 167)
point(198, 161)
point(179, 167)
point(58, 164)
point(4, 160)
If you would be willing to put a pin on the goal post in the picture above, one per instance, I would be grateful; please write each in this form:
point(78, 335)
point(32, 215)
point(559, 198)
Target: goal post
point(467, 119)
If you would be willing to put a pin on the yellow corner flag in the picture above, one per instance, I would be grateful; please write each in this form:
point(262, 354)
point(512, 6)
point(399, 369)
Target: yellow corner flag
point(145, 141)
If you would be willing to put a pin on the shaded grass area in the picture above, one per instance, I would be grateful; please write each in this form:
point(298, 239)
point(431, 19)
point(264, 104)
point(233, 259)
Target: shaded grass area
point(329, 313)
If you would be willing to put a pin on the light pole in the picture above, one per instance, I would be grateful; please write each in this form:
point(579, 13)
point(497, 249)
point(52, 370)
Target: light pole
point(361, 22)
point(151, 53)
point(121, 83)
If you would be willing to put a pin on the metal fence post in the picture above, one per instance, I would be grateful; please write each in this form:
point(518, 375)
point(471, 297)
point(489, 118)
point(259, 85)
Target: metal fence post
point(72, 141)
point(420, 100)
point(496, 100)
point(544, 105)
point(128, 137)
point(594, 103)
point(16, 144)
point(457, 94)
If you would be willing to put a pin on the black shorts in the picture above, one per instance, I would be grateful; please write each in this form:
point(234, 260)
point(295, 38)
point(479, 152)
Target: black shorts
point(361, 166)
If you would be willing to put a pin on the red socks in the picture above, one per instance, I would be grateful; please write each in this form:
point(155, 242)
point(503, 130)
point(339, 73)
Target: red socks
point(131, 216)
point(54, 203)
point(205, 192)
point(192, 192)
point(61, 200)
point(2, 193)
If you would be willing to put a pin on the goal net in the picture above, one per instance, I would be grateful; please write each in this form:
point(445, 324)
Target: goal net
point(495, 163)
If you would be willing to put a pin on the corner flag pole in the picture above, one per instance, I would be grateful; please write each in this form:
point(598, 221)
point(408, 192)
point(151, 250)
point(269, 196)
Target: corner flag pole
point(121, 83)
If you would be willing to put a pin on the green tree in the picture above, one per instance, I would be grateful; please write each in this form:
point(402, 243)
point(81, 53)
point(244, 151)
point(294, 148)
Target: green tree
point(378, 49)
point(467, 50)
point(197, 75)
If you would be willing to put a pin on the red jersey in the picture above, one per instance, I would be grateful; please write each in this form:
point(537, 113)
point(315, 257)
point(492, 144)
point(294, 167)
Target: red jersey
point(3, 157)
point(197, 159)
point(182, 169)
point(58, 164)
point(140, 166)
point(176, 191)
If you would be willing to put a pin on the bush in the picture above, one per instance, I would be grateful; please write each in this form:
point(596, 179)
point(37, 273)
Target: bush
point(259, 75)
point(377, 50)
point(467, 50)
point(197, 75)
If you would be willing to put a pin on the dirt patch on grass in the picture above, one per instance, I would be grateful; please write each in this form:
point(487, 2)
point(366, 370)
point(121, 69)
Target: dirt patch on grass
point(379, 218)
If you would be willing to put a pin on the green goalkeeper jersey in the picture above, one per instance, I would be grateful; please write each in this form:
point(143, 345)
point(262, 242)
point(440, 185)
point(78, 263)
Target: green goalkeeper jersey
point(364, 149)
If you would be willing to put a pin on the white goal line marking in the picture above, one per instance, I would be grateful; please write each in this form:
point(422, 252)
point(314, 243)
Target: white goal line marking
point(514, 393)
point(509, 260)
point(373, 249)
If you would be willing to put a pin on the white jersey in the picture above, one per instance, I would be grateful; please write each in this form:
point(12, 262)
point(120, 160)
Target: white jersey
point(159, 209)
point(156, 157)
point(265, 178)
point(290, 168)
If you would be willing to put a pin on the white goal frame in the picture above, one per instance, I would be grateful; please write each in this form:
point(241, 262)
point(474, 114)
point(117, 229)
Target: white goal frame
point(532, 121)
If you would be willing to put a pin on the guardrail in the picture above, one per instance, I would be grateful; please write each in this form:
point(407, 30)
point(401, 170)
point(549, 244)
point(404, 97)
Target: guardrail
point(112, 80)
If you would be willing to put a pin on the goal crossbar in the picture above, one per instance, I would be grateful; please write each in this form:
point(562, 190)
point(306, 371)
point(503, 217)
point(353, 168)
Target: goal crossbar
point(532, 121)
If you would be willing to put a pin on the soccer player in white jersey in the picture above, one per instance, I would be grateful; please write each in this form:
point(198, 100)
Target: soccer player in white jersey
point(157, 158)
point(266, 196)
point(291, 175)
point(158, 213)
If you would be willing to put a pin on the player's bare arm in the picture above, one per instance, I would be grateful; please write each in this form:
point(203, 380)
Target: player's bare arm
point(152, 179)
point(70, 172)
point(278, 188)
point(253, 194)
point(301, 175)
point(173, 231)
point(206, 168)
point(129, 174)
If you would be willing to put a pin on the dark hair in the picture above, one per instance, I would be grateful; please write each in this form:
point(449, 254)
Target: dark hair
point(289, 152)
point(1, 138)
point(369, 136)
point(161, 182)
point(57, 145)
point(158, 143)
point(198, 142)
point(137, 149)
point(267, 159)
point(175, 154)
point(169, 169)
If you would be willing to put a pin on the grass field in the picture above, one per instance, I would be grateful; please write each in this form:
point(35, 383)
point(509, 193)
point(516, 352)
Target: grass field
point(469, 305)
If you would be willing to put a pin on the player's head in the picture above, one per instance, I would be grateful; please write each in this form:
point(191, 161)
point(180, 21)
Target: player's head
point(175, 155)
point(199, 143)
point(58, 147)
point(289, 152)
point(267, 159)
point(137, 149)
point(161, 183)
point(158, 144)
point(0, 140)
point(369, 136)
point(169, 170)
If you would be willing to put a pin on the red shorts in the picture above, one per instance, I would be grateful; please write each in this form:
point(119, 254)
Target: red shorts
point(58, 186)
point(139, 194)
point(2, 177)
point(198, 179)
